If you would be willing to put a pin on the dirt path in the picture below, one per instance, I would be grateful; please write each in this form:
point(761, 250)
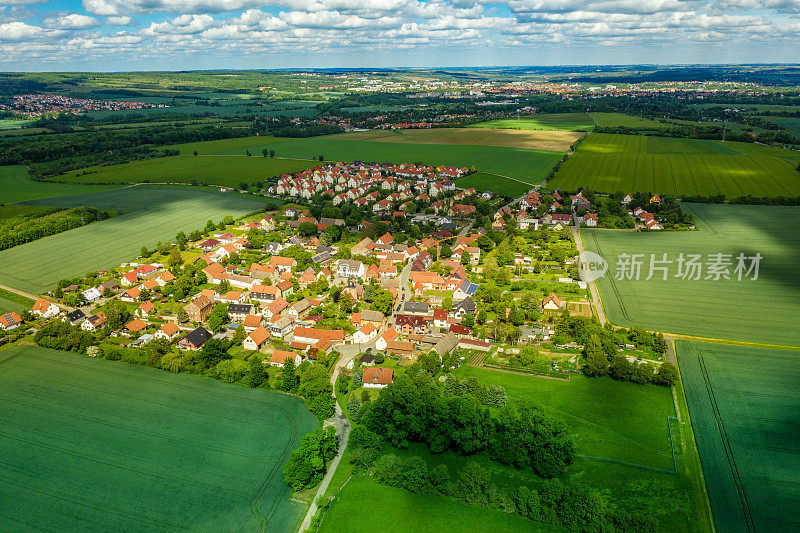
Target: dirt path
point(596, 302)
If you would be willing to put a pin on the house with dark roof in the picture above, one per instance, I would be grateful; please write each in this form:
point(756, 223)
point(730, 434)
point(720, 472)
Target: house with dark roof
point(465, 307)
point(194, 340)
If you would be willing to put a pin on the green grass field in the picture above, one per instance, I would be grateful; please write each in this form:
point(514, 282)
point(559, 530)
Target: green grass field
point(16, 187)
point(208, 169)
point(364, 506)
point(766, 310)
point(153, 213)
point(482, 181)
point(90, 444)
point(222, 145)
point(744, 406)
point(545, 121)
point(612, 120)
point(528, 165)
point(631, 163)
point(10, 301)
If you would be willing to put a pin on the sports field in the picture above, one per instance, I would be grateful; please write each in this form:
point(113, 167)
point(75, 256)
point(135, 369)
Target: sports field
point(152, 214)
point(628, 121)
point(207, 169)
point(544, 121)
point(16, 187)
point(552, 140)
point(89, 444)
point(528, 165)
point(630, 163)
point(744, 408)
point(766, 310)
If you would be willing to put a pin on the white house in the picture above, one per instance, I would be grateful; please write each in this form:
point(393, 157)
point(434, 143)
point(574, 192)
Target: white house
point(388, 336)
point(350, 268)
point(91, 294)
point(365, 334)
point(45, 308)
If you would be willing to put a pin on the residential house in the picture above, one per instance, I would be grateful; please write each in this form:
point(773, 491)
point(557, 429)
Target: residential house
point(279, 358)
point(552, 302)
point(365, 334)
point(237, 312)
point(388, 336)
point(129, 279)
point(74, 317)
point(145, 309)
point(10, 321)
point(252, 322)
point(199, 308)
point(256, 339)
point(134, 326)
point(297, 309)
point(94, 322)
point(195, 339)
point(409, 324)
point(91, 294)
point(376, 377)
point(45, 308)
point(167, 331)
point(281, 327)
point(416, 308)
point(274, 308)
point(465, 307)
point(350, 268)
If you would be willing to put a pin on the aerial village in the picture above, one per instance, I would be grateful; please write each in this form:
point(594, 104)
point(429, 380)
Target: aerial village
point(406, 265)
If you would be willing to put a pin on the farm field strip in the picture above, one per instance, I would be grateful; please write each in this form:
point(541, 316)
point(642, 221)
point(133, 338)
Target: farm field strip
point(743, 410)
point(209, 169)
point(544, 121)
point(726, 309)
point(137, 440)
point(15, 186)
point(528, 165)
point(158, 213)
point(628, 121)
point(602, 163)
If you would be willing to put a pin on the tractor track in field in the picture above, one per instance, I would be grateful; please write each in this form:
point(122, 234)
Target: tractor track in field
point(737, 480)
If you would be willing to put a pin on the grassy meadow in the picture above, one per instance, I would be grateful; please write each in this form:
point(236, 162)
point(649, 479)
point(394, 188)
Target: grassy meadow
point(744, 406)
point(364, 506)
point(15, 186)
point(544, 121)
point(206, 169)
point(482, 181)
point(613, 120)
point(765, 310)
point(663, 165)
point(89, 442)
point(152, 213)
point(222, 145)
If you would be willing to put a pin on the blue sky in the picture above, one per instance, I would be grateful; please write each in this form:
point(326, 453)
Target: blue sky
point(199, 34)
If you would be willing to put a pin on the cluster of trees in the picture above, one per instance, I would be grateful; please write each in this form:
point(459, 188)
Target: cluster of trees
point(580, 329)
point(27, 229)
point(309, 462)
point(570, 505)
point(600, 363)
point(413, 409)
point(59, 335)
point(311, 381)
point(489, 395)
point(284, 127)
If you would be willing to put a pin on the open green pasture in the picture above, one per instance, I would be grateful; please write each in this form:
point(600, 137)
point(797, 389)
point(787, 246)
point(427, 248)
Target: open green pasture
point(612, 120)
point(528, 165)
point(223, 145)
point(764, 310)
point(15, 186)
point(90, 444)
point(482, 181)
point(208, 169)
point(664, 165)
point(744, 408)
point(545, 121)
point(364, 506)
point(152, 213)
